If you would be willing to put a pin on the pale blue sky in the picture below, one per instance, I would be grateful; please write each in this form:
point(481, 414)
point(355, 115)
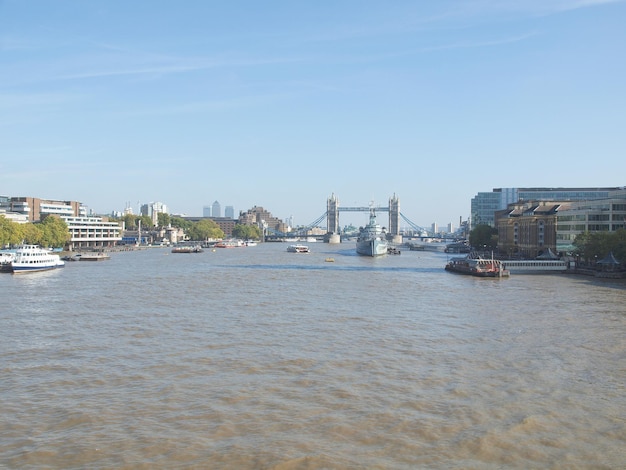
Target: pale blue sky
point(282, 103)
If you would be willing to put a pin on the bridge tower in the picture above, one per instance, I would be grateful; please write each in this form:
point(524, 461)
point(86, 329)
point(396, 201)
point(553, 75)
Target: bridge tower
point(332, 214)
point(394, 215)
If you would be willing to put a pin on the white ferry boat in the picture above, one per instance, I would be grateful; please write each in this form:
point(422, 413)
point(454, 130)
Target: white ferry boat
point(535, 266)
point(297, 248)
point(32, 258)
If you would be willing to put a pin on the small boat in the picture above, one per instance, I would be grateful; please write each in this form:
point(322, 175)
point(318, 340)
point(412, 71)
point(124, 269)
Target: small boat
point(100, 256)
point(297, 248)
point(372, 239)
point(330, 260)
point(229, 244)
point(251, 243)
point(32, 258)
point(5, 262)
point(478, 267)
point(187, 249)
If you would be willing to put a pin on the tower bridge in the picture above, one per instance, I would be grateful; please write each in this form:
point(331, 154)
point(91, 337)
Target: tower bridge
point(333, 209)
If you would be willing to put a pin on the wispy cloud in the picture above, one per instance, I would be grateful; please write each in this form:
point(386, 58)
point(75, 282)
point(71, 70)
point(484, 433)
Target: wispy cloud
point(396, 20)
point(175, 67)
point(22, 100)
point(472, 44)
point(534, 7)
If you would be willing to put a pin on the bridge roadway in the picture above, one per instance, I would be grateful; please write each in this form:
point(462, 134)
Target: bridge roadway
point(363, 209)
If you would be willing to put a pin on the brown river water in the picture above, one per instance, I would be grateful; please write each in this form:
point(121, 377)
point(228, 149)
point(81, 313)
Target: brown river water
point(255, 358)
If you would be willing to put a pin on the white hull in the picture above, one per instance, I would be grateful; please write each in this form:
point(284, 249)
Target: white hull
point(535, 266)
point(30, 269)
point(31, 258)
point(298, 249)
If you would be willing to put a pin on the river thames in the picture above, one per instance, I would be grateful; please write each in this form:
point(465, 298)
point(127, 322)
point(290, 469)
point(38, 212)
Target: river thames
point(255, 358)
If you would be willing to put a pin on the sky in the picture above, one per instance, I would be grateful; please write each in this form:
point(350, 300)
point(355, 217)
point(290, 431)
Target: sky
point(282, 104)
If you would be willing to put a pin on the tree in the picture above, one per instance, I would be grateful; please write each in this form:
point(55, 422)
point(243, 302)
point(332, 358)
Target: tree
point(130, 221)
point(592, 246)
point(204, 229)
point(484, 237)
point(619, 250)
point(163, 219)
point(181, 223)
point(246, 232)
point(11, 233)
point(146, 221)
point(54, 232)
point(32, 234)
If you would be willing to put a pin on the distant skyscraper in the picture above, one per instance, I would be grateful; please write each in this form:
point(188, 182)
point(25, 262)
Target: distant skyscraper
point(217, 209)
point(153, 209)
point(229, 212)
point(206, 211)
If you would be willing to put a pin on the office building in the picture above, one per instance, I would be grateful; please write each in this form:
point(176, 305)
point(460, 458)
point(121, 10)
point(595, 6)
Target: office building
point(35, 208)
point(527, 229)
point(263, 219)
point(484, 205)
point(92, 232)
point(216, 210)
point(152, 210)
point(229, 212)
point(600, 215)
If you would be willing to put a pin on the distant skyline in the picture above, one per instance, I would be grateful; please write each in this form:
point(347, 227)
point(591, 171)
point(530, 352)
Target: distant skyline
point(281, 104)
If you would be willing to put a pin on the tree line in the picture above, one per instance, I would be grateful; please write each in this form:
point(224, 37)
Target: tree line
point(593, 246)
point(51, 232)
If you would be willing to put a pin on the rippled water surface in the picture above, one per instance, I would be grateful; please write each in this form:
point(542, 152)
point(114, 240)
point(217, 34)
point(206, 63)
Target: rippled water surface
point(255, 358)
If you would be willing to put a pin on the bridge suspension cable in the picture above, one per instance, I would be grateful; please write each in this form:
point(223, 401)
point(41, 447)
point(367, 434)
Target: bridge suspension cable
point(317, 221)
point(300, 231)
point(413, 225)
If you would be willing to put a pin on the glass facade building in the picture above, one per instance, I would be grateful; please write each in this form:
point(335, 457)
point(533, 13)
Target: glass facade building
point(485, 204)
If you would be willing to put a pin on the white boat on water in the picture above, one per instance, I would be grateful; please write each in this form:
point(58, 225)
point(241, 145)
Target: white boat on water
point(297, 248)
point(32, 258)
point(372, 239)
point(535, 266)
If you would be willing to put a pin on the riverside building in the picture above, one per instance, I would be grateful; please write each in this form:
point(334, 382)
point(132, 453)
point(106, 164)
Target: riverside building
point(484, 205)
point(528, 229)
point(35, 209)
point(85, 231)
point(92, 232)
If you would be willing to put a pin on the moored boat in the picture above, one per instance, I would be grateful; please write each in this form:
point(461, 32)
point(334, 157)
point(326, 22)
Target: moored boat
point(5, 262)
point(372, 239)
point(100, 256)
point(187, 249)
point(478, 267)
point(229, 244)
point(535, 266)
point(32, 258)
point(297, 248)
